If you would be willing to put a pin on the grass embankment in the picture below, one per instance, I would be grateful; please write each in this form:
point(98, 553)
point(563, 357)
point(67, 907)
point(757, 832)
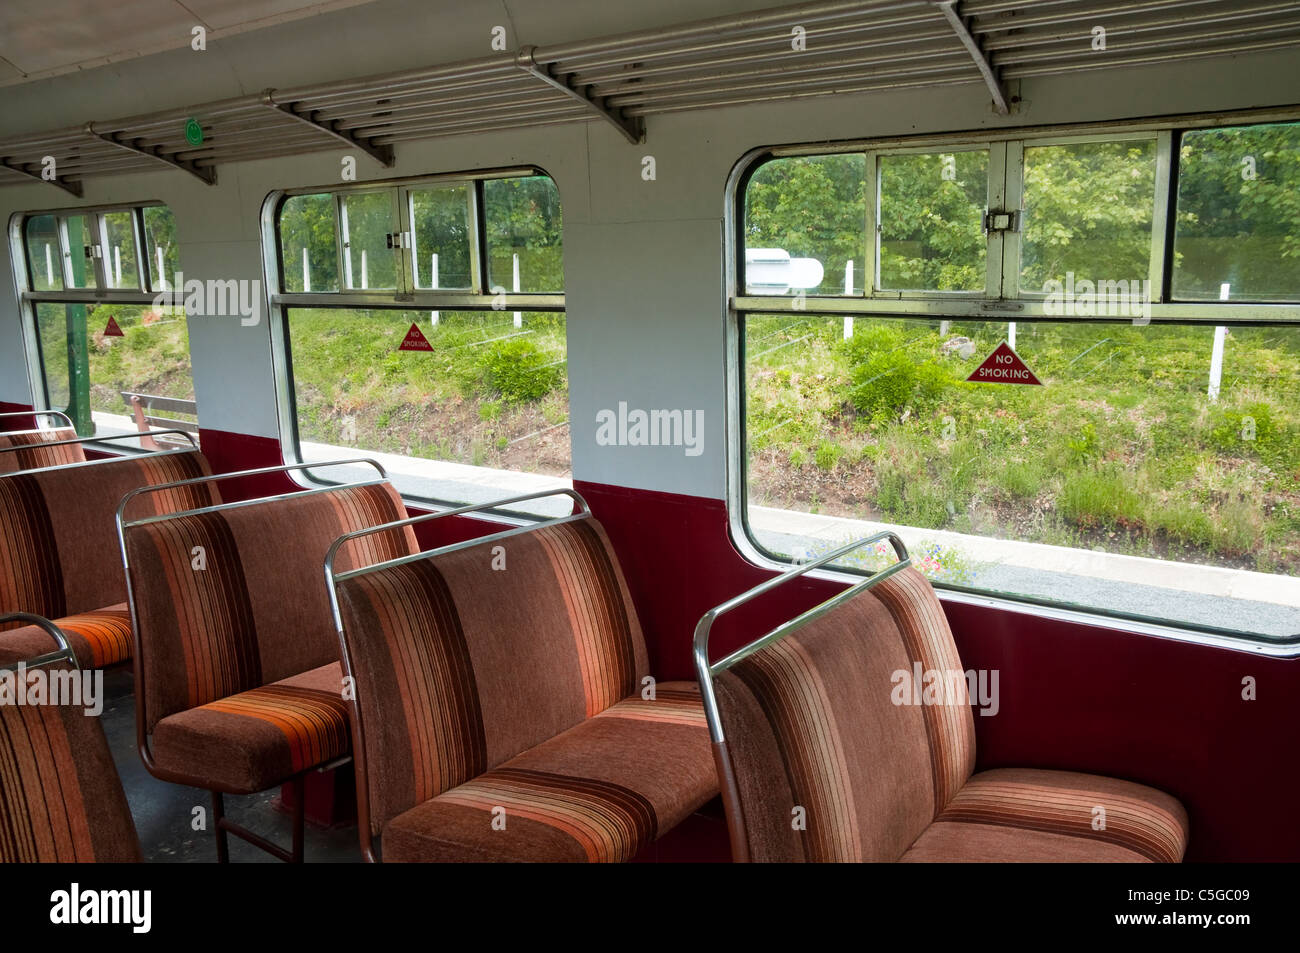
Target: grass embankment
point(1120, 450)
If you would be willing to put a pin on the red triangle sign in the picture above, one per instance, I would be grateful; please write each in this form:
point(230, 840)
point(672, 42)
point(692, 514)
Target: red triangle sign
point(415, 340)
point(112, 330)
point(1003, 366)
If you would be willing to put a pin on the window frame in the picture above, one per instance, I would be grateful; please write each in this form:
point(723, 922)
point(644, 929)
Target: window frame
point(28, 298)
point(1168, 132)
point(406, 298)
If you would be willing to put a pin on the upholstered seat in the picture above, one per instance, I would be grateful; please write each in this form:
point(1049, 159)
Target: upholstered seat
point(526, 690)
point(39, 448)
point(99, 638)
point(585, 795)
point(59, 552)
point(253, 740)
point(852, 739)
point(1026, 814)
point(60, 797)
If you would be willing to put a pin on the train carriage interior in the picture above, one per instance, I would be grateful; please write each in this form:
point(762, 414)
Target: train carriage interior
point(681, 432)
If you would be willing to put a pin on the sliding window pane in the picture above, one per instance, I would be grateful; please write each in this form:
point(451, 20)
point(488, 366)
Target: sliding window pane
point(369, 260)
point(43, 256)
point(440, 218)
point(805, 226)
point(525, 249)
point(120, 261)
point(309, 243)
point(163, 255)
point(932, 221)
point(1238, 229)
point(1088, 213)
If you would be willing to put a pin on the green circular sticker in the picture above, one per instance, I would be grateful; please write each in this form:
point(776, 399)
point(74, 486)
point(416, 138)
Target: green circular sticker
point(193, 132)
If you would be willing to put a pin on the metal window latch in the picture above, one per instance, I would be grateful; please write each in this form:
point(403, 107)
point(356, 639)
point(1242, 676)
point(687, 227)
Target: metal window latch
point(1002, 220)
point(398, 240)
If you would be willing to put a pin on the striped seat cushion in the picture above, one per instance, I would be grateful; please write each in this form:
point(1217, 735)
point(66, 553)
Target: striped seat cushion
point(461, 667)
point(37, 451)
point(1024, 814)
point(599, 792)
point(253, 740)
point(100, 638)
point(60, 796)
point(59, 551)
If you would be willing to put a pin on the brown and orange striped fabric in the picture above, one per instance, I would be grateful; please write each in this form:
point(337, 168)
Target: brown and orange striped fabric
point(1038, 815)
point(99, 638)
point(36, 451)
point(263, 735)
point(60, 796)
point(224, 634)
point(59, 552)
point(836, 759)
point(463, 671)
point(598, 793)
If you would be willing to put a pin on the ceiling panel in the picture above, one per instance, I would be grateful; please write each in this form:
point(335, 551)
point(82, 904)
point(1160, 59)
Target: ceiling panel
point(43, 38)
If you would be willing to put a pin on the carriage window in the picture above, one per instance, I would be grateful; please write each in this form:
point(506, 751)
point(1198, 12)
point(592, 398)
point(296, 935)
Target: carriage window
point(1238, 226)
point(115, 362)
point(1146, 465)
point(931, 221)
point(1118, 485)
point(459, 391)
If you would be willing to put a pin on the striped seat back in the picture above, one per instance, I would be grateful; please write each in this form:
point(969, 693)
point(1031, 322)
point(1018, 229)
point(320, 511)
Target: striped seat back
point(59, 552)
point(465, 659)
point(60, 796)
point(36, 451)
point(837, 751)
point(233, 598)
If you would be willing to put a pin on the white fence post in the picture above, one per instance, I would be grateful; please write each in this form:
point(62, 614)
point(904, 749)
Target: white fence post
point(49, 265)
point(433, 283)
point(162, 278)
point(848, 290)
point(117, 266)
point(1216, 355)
point(306, 271)
point(1011, 335)
point(519, 315)
point(365, 280)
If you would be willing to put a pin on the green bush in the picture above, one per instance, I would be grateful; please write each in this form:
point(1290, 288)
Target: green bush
point(890, 382)
point(828, 454)
point(517, 370)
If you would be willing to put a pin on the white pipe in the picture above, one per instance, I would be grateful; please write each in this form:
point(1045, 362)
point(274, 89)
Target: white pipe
point(848, 290)
point(519, 315)
point(433, 283)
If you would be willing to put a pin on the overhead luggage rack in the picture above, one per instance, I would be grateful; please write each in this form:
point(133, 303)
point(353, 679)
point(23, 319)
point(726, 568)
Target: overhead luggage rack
point(788, 52)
